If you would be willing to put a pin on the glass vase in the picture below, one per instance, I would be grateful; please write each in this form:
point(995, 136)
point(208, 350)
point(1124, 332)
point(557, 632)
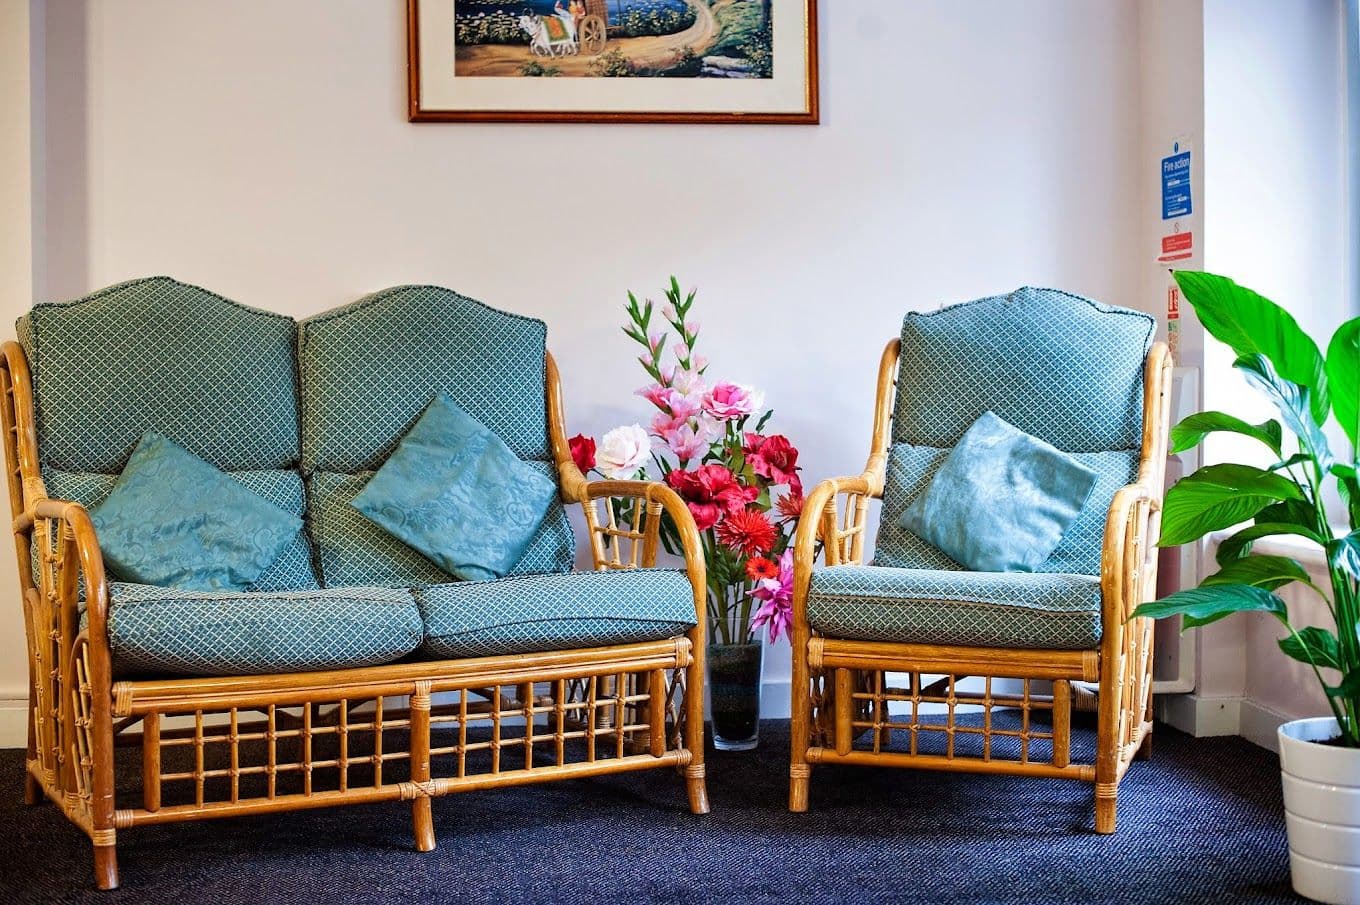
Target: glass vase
point(734, 673)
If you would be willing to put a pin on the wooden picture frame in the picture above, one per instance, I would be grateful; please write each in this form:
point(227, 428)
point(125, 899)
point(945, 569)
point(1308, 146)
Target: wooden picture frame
point(699, 74)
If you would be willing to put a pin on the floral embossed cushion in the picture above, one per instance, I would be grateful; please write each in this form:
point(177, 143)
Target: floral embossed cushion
point(173, 520)
point(1002, 499)
point(454, 491)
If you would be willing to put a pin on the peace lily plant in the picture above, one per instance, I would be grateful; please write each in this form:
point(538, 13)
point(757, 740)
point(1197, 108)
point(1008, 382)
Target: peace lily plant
point(1285, 498)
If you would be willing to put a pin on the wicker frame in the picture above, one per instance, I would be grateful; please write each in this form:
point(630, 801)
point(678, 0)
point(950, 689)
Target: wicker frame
point(841, 697)
point(258, 744)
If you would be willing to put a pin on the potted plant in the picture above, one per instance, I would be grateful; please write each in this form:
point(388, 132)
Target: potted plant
point(707, 441)
point(1320, 757)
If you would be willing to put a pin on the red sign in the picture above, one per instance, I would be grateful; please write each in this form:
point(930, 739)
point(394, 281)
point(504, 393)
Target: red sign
point(1173, 303)
point(1177, 242)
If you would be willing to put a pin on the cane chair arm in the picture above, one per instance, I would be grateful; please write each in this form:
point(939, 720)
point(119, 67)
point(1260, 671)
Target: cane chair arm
point(1128, 573)
point(70, 567)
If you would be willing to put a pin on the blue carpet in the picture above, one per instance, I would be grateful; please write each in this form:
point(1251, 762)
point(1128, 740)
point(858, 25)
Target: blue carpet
point(1201, 822)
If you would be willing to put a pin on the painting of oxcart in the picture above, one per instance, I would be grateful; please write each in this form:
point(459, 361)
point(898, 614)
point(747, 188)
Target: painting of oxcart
point(764, 50)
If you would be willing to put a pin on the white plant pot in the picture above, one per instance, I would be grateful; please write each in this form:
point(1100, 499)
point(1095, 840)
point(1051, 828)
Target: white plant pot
point(1322, 811)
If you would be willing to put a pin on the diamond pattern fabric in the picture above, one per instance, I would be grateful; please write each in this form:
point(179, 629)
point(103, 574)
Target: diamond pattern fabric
point(1063, 368)
point(352, 550)
point(370, 368)
point(1031, 610)
point(155, 354)
point(292, 571)
point(554, 612)
point(909, 473)
point(220, 633)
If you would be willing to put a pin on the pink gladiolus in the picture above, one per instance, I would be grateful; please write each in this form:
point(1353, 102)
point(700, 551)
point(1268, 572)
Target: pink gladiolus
point(655, 340)
point(657, 395)
point(731, 401)
point(776, 596)
point(685, 443)
point(699, 362)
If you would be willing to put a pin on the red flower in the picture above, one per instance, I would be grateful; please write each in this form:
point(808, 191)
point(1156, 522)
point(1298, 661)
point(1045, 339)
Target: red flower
point(758, 567)
point(582, 452)
point(747, 531)
point(710, 491)
point(773, 458)
point(790, 505)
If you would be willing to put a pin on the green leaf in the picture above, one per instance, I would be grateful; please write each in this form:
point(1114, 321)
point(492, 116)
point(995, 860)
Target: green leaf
point(1296, 459)
point(1219, 496)
point(1269, 572)
point(1238, 545)
point(1343, 378)
point(1292, 401)
point(1349, 687)
point(1200, 606)
point(1250, 324)
point(1348, 487)
point(1196, 427)
point(1315, 646)
point(1343, 553)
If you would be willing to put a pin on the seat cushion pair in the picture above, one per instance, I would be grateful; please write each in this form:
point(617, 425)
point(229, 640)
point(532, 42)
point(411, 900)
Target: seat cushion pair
point(163, 631)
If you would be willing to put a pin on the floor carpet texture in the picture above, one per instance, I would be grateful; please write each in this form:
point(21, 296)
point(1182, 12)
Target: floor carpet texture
point(1201, 822)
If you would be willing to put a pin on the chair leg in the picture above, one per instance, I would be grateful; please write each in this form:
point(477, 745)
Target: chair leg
point(106, 866)
point(33, 793)
point(1144, 751)
point(800, 771)
point(422, 812)
point(695, 782)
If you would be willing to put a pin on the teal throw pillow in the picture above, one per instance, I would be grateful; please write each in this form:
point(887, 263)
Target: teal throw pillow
point(1002, 499)
point(173, 520)
point(455, 492)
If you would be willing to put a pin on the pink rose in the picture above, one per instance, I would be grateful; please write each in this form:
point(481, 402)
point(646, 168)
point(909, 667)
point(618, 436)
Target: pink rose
point(731, 401)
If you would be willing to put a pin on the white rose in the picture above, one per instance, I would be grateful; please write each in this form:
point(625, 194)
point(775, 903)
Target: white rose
point(623, 451)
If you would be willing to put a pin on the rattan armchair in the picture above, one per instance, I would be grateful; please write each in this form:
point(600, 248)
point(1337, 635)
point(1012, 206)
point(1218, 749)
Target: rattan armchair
point(880, 683)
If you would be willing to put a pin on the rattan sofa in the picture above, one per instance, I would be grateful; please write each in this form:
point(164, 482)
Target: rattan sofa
point(354, 670)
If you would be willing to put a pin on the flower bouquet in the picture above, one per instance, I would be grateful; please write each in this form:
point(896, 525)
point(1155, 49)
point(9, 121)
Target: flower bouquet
point(707, 441)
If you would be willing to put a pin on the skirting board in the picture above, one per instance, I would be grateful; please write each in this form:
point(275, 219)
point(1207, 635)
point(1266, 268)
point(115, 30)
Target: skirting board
point(13, 723)
point(1200, 716)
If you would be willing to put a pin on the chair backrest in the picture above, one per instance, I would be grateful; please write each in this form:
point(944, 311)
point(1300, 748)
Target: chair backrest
point(1063, 368)
point(215, 376)
point(368, 371)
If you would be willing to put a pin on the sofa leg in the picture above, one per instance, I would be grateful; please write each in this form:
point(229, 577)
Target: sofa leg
point(1105, 807)
point(800, 780)
point(422, 815)
point(106, 867)
point(33, 793)
point(697, 786)
point(800, 771)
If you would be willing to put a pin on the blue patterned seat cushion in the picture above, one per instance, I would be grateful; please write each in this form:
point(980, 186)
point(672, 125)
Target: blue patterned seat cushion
point(163, 631)
point(554, 612)
point(216, 377)
point(368, 370)
point(1062, 368)
point(1031, 610)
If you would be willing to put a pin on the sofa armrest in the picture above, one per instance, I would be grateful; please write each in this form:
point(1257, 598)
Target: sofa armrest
point(1128, 561)
point(68, 554)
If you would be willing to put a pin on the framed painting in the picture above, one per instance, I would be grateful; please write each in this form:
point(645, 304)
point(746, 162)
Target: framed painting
point(679, 61)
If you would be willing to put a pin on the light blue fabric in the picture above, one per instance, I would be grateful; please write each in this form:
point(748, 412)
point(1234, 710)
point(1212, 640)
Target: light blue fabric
point(529, 613)
point(174, 520)
point(162, 631)
point(1002, 499)
point(1029, 610)
point(1063, 368)
point(454, 491)
point(216, 377)
point(292, 571)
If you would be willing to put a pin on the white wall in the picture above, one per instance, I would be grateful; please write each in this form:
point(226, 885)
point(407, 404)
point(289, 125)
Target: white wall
point(1279, 218)
point(261, 149)
point(16, 287)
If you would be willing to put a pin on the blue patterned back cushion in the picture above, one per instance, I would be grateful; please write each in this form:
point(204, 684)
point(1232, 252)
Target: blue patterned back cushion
point(216, 377)
point(368, 372)
point(292, 571)
point(370, 368)
point(1063, 368)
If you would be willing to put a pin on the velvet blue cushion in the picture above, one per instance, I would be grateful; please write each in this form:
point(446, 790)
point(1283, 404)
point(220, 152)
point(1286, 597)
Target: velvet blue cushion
point(1002, 499)
point(173, 520)
point(455, 492)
